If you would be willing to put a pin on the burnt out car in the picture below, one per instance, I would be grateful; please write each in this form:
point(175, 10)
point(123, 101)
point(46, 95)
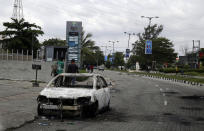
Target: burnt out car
point(80, 94)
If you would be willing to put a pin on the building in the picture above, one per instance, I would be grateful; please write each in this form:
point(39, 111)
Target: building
point(191, 59)
point(183, 60)
point(52, 53)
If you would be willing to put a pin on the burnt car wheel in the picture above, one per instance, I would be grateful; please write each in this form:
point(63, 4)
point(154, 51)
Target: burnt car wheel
point(40, 110)
point(89, 110)
point(108, 107)
point(93, 109)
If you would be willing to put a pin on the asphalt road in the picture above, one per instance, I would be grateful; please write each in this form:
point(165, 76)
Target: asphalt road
point(138, 104)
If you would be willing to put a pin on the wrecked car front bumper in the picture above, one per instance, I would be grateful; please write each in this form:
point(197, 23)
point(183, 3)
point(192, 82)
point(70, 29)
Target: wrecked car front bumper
point(65, 107)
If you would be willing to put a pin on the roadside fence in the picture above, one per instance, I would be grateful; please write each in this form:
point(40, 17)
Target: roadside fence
point(22, 55)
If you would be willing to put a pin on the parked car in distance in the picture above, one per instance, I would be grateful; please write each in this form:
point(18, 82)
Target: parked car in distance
point(80, 94)
point(101, 68)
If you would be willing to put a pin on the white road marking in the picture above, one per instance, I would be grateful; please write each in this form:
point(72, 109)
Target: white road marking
point(157, 85)
point(161, 89)
point(164, 94)
point(165, 103)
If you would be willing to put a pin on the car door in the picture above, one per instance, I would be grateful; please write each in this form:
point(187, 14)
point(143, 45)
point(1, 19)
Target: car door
point(106, 91)
point(100, 93)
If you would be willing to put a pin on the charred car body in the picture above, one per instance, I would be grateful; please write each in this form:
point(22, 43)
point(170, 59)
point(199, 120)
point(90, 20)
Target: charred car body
point(81, 94)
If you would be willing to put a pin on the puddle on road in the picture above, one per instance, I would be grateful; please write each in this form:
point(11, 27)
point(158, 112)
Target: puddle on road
point(167, 114)
point(185, 123)
point(194, 97)
point(192, 108)
point(170, 92)
point(200, 119)
point(112, 116)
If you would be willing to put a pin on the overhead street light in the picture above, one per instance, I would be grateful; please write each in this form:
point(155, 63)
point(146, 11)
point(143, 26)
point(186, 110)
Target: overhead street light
point(129, 34)
point(105, 48)
point(150, 18)
point(113, 42)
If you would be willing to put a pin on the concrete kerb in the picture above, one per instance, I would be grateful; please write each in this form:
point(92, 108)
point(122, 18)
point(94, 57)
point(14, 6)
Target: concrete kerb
point(174, 80)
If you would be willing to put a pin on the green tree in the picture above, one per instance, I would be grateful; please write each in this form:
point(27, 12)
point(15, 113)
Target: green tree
point(162, 48)
point(108, 64)
point(118, 59)
point(54, 42)
point(132, 61)
point(90, 54)
point(21, 35)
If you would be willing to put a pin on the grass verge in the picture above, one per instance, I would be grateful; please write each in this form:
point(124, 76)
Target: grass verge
point(177, 77)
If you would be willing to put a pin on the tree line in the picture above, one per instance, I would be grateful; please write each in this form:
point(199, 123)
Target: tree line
point(22, 35)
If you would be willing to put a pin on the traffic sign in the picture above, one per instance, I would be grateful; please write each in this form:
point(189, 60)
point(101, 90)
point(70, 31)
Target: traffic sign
point(148, 47)
point(127, 55)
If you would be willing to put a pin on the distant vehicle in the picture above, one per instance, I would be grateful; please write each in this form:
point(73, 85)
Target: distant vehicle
point(80, 94)
point(101, 68)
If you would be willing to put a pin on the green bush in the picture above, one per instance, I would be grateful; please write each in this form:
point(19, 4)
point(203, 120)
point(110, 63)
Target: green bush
point(173, 70)
point(168, 70)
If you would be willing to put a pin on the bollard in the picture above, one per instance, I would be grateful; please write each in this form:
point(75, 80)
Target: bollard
point(12, 54)
point(2, 54)
point(17, 55)
point(7, 54)
point(27, 55)
point(32, 55)
point(22, 55)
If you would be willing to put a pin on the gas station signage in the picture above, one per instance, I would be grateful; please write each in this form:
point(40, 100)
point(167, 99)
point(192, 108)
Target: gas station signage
point(73, 38)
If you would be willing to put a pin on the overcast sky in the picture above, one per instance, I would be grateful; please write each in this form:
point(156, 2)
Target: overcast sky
point(183, 20)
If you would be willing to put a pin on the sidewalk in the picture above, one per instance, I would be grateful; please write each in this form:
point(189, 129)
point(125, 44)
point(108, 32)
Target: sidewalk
point(17, 103)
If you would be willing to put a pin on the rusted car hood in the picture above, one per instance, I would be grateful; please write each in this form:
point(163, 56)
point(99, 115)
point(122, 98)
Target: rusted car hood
point(66, 92)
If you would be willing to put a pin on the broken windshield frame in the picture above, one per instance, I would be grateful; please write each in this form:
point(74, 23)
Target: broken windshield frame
point(72, 82)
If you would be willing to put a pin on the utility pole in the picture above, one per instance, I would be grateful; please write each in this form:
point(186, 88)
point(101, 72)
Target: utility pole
point(17, 10)
point(196, 50)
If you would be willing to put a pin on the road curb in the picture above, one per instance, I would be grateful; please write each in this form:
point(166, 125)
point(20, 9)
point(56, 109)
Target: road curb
point(174, 80)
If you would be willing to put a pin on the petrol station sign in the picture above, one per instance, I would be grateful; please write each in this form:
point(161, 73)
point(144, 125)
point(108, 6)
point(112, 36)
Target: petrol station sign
point(73, 39)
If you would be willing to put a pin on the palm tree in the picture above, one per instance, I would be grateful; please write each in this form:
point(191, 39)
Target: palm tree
point(19, 35)
point(87, 47)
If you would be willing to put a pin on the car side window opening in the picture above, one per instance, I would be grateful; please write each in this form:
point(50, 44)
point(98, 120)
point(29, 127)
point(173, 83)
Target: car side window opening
point(99, 84)
point(104, 84)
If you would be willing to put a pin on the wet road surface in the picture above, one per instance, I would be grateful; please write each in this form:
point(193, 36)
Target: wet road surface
point(138, 104)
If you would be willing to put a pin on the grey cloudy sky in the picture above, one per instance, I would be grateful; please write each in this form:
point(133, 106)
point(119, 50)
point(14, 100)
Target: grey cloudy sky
point(183, 20)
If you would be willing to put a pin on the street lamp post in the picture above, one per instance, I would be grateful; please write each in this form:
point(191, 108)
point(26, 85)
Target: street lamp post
point(129, 34)
point(113, 42)
point(106, 47)
point(150, 20)
point(149, 35)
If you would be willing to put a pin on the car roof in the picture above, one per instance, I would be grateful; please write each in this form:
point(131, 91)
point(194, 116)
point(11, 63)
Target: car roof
point(79, 74)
